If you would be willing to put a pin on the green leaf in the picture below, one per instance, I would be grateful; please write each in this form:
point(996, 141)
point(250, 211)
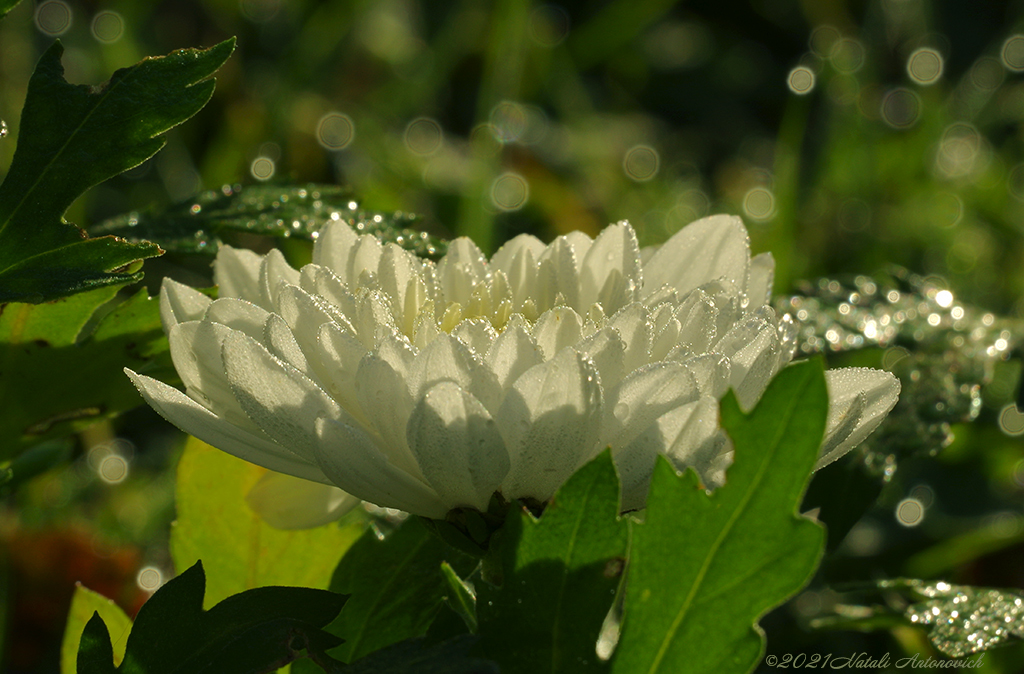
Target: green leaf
point(73, 137)
point(560, 577)
point(257, 630)
point(460, 597)
point(200, 225)
point(6, 6)
point(84, 605)
point(215, 523)
point(83, 344)
point(395, 587)
point(95, 654)
point(413, 656)
point(702, 568)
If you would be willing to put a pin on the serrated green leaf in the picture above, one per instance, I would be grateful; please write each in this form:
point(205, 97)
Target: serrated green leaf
point(57, 342)
point(84, 604)
point(256, 630)
point(395, 587)
point(702, 568)
point(73, 137)
point(199, 225)
point(413, 656)
point(460, 597)
point(215, 523)
point(560, 577)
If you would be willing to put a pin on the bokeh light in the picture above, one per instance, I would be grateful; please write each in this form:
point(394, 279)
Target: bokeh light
point(925, 66)
point(910, 512)
point(1011, 420)
point(508, 121)
point(801, 80)
point(759, 203)
point(149, 579)
point(901, 108)
point(262, 168)
point(107, 27)
point(847, 55)
point(53, 17)
point(423, 136)
point(549, 25)
point(1013, 53)
point(335, 131)
point(259, 11)
point(641, 163)
point(510, 192)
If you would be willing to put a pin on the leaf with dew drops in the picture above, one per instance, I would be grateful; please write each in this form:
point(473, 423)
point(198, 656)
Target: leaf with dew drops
point(203, 224)
point(964, 619)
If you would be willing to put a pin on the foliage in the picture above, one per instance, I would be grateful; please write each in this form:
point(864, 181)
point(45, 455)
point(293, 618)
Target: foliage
point(248, 632)
point(73, 137)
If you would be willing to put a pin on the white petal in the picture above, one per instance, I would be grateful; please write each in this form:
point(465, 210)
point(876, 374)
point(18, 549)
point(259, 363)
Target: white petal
point(275, 273)
point(339, 355)
point(517, 259)
point(461, 269)
point(759, 285)
point(633, 325)
point(448, 359)
point(194, 419)
point(643, 396)
point(606, 349)
point(712, 373)
point(549, 423)
point(196, 353)
point(705, 250)
point(236, 272)
point(180, 303)
point(752, 348)
point(458, 446)
point(513, 353)
point(238, 315)
point(286, 502)
point(334, 246)
point(349, 457)
point(513, 252)
point(397, 267)
point(558, 274)
point(613, 255)
point(382, 384)
point(556, 329)
point(365, 257)
point(305, 314)
point(280, 341)
point(279, 399)
point(476, 333)
point(872, 393)
point(698, 318)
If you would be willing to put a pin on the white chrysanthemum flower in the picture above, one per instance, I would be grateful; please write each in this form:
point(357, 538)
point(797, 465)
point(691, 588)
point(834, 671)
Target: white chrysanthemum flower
point(427, 387)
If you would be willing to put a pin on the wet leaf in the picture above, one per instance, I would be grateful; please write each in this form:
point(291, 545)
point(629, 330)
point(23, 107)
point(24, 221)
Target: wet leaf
point(215, 524)
point(964, 619)
point(395, 587)
point(73, 137)
point(704, 568)
point(61, 363)
point(85, 603)
point(256, 630)
point(6, 6)
point(200, 225)
point(560, 577)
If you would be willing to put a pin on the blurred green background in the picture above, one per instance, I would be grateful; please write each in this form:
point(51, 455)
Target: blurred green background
point(849, 135)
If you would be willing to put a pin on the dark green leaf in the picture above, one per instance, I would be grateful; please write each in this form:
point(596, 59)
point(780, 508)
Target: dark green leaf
point(560, 577)
point(199, 225)
point(414, 656)
point(395, 587)
point(702, 568)
point(85, 606)
point(56, 342)
point(95, 654)
point(255, 631)
point(73, 137)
